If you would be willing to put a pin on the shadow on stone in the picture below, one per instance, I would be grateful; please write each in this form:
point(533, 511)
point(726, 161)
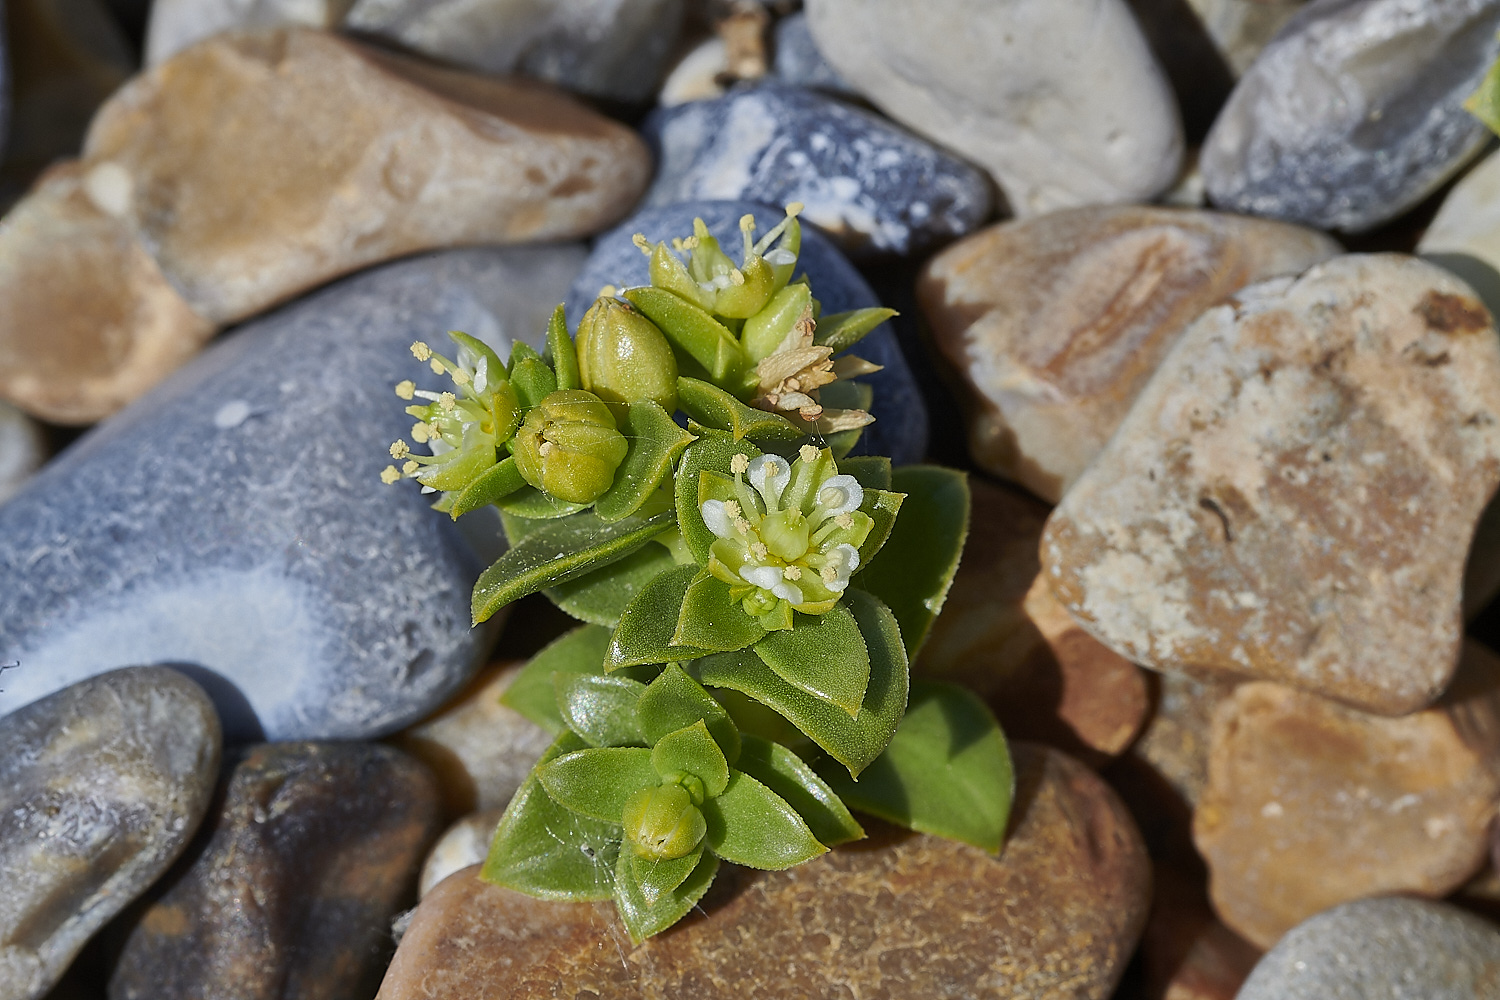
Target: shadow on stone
point(238, 719)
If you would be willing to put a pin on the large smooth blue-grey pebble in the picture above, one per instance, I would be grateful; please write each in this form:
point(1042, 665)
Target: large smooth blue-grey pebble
point(1354, 112)
point(101, 787)
point(1382, 949)
point(870, 185)
point(900, 428)
point(233, 520)
point(798, 60)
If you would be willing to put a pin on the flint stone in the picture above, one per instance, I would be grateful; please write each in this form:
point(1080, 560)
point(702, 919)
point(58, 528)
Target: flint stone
point(177, 24)
point(234, 519)
point(1390, 947)
point(1004, 636)
point(611, 49)
point(101, 788)
point(1353, 113)
point(1060, 100)
point(900, 428)
point(462, 845)
point(22, 450)
point(898, 915)
point(1310, 804)
point(798, 61)
point(873, 187)
point(1255, 511)
point(325, 839)
point(1058, 322)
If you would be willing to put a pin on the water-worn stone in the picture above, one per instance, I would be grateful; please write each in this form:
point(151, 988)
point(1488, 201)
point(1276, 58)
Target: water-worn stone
point(1003, 635)
point(1353, 113)
point(1057, 322)
point(698, 75)
point(798, 61)
point(1255, 512)
point(1240, 29)
point(22, 449)
point(479, 749)
point(873, 187)
point(176, 24)
point(1310, 804)
point(1186, 951)
point(899, 915)
point(1382, 948)
point(900, 428)
point(1175, 740)
point(101, 788)
point(463, 844)
point(612, 49)
point(234, 518)
point(315, 848)
point(1060, 100)
point(1464, 236)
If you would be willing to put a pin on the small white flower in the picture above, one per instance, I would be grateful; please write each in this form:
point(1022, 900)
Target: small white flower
point(843, 560)
point(769, 474)
point(840, 495)
point(788, 592)
point(764, 577)
point(717, 519)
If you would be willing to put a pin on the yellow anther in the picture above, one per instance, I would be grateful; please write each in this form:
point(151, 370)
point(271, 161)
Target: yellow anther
point(420, 350)
point(795, 209)
point(844, 521)
point(389, 475)
point(446, 401)
point(808, 453)
point(747, 223)
point(461, 377)
point(608, 292)
point(642, 244)
point(436, 366)
point(829, 574)
point(742, 526)
point(736, 277)
point(768, 467)
point(406, 388)
point(410, 468)
point(691, 243)
point(420, 432)
point(400, 449)
point(732, 508)
point(792, 573)
point(739, 464)
point(759, 550)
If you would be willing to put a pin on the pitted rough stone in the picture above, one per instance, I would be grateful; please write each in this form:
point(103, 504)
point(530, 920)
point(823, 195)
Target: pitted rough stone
point(1293, 493)
point(1310, 804)
point(1057, 322)
point(1060, 100)
point(1382, 948)
point(900, 915)
point(101, 788)
point(1353, 113)
point(314, 849)
point(234, 519)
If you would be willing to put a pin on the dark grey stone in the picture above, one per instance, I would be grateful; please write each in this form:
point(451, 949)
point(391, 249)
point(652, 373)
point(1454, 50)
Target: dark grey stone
point(1393, 949)
point(900, 428)
point(1353, 113)
point(799, 62)
point(870, 185)
point(101, 787)
point(233, 520)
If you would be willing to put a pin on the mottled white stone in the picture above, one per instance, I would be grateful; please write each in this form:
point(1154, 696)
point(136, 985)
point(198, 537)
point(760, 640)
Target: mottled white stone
point(465, 843)
point(176, 24)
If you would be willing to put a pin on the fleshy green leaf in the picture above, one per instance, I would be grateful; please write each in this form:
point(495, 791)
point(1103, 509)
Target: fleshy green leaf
point(947, 772)
point(882, 506)
point(532, 692)
point(530, 376)
point(823, 655)
point(841, 331)
point(916, 567)
point(692, 750)
point(644, 634)
point(601, 596)
point(545, 850)
point(600, 709)
point(562, 354)
point(694, 331)
point(712, 451)
point(657, 877)
point(714, 408)
point(654, 443)
point(642, 918)
point(562, 550)
point(751, 825)
point(784, 773)
point(713, 620)
point(532, 504)
point(500, 480)
point(674, 700)
point(596, 781)
point(873, 472)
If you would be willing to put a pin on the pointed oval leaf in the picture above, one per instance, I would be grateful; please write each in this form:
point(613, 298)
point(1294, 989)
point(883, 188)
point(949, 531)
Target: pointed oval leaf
point(644, 917)
point(654, 442)
point(532, 692)
point(713, 620)
point(657, 877)
point(712, 451)
point(561, 353)
point(674, 700)
point(644, 635)
point(751, 825)
point(501, 480)
point(691, 329)
point(601, 596)
point(532, 379)
point(533, 504)
point(882, 506)
point(841, 331)
point(873, 472)
point(823, 655)
point(715, 408)
point(600, 709)
point(595, 782)
point(693, 750)
point(786, 774)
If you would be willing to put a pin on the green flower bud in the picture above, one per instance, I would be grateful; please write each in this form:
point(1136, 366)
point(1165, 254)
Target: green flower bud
point(663, 823)
point(569, 447)
point(623, 357)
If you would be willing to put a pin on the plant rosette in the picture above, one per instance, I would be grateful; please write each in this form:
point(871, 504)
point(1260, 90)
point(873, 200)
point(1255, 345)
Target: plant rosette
point(677, 477)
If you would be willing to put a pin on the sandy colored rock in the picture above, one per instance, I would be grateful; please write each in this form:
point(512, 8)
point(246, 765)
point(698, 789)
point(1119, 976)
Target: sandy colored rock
point(479, 749)
point(1293, 493)
point(1310, 804)
point(465, 843)
point(899, 915)
point(1057, 322)
point(1175, 739)
point(88, 321)
point(1003, 635)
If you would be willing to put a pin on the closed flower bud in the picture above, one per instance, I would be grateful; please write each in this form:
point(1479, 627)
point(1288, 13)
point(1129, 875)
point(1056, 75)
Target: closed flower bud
point(662, 823)
point(623, 358)
point(569, 447)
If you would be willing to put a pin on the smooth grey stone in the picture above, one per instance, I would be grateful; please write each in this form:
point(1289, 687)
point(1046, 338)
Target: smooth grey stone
point(870, 185)
point(22, 449)
point(1354, 112)
point(900, 427)
point(798, 61)
point(101, 788)
point(1382, 949)
point(234, 519)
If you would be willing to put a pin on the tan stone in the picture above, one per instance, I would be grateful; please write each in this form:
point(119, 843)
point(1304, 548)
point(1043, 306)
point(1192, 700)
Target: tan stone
point(479, 749)
point(899, 915)
point(1310, 804)
point(87, 320)
point(1175, 740)
point(465, 843)
point(1004, 635)
point(1293, 493)
point(176, 24)
point(1057, 322)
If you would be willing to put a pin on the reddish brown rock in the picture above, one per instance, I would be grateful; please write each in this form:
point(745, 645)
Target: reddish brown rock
point(1310, 804)
point(1293, 494)
point(1057, 322)
point(900, 915)
point(1004, 635)
point(1186, 951)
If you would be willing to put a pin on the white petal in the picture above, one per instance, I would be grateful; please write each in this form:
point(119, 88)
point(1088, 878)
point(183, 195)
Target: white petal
point(840, 495)
point(780, 256)
point(845, 560)
point(788, 591)
point(764, 577)
point(482, 375)
point(769, 474)
point(716, 519)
